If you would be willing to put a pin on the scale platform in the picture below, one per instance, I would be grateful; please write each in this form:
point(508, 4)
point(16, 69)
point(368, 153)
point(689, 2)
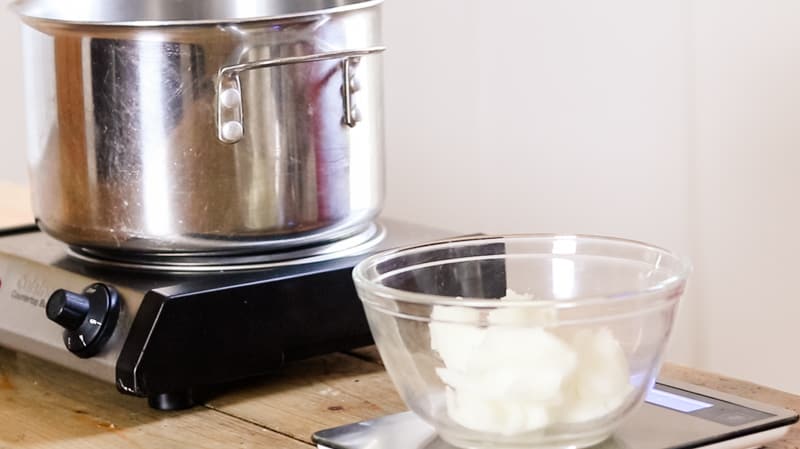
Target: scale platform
point(675, 415)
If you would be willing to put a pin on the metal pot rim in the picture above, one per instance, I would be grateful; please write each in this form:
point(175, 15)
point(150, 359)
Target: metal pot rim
point(38, 12)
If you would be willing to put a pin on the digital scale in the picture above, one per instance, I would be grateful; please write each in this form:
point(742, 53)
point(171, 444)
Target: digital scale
point(675, 415)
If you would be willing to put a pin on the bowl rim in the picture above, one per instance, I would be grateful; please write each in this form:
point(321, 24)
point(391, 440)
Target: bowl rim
point(670, 288)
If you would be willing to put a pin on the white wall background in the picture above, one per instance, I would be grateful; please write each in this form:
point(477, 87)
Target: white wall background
point(745, 208)
point(671, 121)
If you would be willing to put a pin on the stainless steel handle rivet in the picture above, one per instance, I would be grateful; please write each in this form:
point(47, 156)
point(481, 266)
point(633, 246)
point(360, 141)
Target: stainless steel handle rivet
point(231, 98)
point(355, 84)
point(232, 131)
point(355, 114)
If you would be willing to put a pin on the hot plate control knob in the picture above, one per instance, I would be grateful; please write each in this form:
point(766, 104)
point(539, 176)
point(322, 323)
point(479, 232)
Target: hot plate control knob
point(67, 309)
point(88, 318)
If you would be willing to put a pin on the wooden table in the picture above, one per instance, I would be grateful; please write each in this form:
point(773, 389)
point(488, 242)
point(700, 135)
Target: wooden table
point(46, 406)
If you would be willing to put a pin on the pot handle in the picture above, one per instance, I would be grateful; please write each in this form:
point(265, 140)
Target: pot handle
point(230, 121)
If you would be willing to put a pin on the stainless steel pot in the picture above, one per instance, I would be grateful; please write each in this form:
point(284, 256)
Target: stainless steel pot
point(205, 125)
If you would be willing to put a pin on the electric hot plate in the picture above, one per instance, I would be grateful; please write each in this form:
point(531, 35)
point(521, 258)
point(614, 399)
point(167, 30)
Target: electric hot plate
point(171, 329)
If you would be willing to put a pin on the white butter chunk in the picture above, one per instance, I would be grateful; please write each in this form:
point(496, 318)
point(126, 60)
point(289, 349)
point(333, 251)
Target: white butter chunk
point(455, 342)
point(494, 416)
point(527, 316)
point(600, 384)
point(514, 376)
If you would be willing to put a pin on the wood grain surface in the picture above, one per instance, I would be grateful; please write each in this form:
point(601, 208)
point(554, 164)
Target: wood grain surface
point(46, 406)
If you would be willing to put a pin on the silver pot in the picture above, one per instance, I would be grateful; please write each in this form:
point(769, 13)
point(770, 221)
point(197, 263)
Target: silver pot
point(203, 125)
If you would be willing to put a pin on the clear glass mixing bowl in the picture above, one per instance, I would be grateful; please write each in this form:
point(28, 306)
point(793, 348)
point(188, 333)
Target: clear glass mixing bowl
point(535, 341)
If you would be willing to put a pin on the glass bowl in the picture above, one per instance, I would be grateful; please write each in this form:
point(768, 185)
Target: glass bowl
point(535, 341)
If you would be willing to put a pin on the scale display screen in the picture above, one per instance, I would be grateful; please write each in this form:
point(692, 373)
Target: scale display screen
point(675, 402)
point(703, 407)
